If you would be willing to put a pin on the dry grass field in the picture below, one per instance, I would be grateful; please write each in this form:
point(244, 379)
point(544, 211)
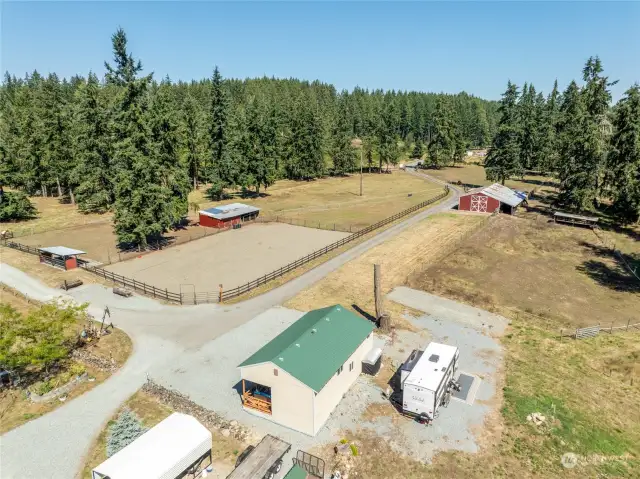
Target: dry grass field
point(328, 203)
point(560, 274)
point(336, 199)
point(404, 255)
point(151, 412)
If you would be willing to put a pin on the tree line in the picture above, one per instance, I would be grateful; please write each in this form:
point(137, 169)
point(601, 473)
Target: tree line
point(137, 146)
point(591, 147)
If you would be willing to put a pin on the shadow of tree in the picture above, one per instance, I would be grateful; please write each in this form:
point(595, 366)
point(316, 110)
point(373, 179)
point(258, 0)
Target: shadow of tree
point(616, 277)
point(365, 314)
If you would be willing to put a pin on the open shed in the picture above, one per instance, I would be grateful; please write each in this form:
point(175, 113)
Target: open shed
point(175, 447)
point(492, 198)
point(299, 377)
point(225, 216)
point(60, 256)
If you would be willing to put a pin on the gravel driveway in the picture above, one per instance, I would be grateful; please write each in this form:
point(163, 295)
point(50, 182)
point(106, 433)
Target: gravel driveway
point(53, 446)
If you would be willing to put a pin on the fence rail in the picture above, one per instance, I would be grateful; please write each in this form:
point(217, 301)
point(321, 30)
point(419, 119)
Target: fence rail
point(592, 331)
point(239, 290)
point(219, 296)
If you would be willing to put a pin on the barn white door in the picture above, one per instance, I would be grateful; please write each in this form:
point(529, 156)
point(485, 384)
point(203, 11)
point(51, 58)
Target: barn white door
point(479, 203)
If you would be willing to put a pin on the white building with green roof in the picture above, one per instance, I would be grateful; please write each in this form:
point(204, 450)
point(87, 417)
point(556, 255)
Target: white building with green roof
point(298, 378)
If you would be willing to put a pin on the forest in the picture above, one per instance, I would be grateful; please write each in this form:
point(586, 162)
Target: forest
point(590, 147)
point(136, 146)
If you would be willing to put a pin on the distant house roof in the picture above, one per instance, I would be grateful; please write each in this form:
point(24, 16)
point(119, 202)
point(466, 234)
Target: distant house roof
point(504, 194)
point(61, 251)
point(314, 347)
point(229, 211)
point(296, 472)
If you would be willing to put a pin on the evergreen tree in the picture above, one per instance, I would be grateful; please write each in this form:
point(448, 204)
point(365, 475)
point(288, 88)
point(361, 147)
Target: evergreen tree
point(262, 130)
point(575, 170)
point(217, 126)
point(443, 137)
point(481, 135)
point(503, 159)
point(192, 135)
point(304, 146)
point(624, 160)
point(93, 172)
point(143, 205)
point(165, 153)
point(418, 149)
point(388, 151)
point(529, 128)
point(342, 152)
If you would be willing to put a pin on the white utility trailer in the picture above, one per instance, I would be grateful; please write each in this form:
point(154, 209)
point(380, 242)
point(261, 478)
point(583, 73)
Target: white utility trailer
point(427, 380)
point(177, 447)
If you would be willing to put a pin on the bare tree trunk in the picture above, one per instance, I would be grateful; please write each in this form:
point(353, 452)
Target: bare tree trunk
point(59, 187)
point(44, 190)
point(72, 196)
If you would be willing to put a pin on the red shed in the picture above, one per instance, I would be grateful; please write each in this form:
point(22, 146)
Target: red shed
point(227, 215)
point(492, 198)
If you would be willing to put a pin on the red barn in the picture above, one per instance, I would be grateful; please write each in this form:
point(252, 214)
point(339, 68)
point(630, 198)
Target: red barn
point(492, 198)
point(227, 215)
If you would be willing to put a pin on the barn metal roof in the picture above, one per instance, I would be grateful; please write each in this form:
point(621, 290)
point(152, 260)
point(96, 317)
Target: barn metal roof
point(314, 347)
point(232, 210)
point(61, 251)
point(504, 194)
point(296, 472)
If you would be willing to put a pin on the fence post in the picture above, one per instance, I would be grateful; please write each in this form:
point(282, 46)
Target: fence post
point(561, 334)
point(220, 294)
point(611, 330)
point(628, 321)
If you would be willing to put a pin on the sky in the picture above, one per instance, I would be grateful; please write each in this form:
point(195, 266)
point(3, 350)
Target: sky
point(426, 46)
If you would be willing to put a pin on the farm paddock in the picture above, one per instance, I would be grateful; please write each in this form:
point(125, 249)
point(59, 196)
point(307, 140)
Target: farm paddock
point(231, 258)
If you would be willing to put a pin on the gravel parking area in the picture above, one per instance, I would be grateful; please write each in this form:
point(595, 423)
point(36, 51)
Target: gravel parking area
point(231, 258)
point(215, 364)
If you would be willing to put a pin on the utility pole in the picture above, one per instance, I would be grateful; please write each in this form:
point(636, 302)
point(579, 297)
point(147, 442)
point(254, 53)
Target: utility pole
point(357, 143)
point(360, 170)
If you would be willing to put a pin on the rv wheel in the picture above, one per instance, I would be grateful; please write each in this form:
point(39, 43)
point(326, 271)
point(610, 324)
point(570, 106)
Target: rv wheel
point(278, 466)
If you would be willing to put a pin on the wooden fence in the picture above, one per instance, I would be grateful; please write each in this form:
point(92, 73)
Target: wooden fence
point(219, 296)
point(592, 331)
point(239, 290)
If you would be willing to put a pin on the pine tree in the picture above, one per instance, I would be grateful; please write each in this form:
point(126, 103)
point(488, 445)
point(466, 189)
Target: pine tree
point(304, 146)
point(172, 176)
point(481, 135)
point(418, 149)
point(575, 172)
point(529, 128)
point(93, 172)
point(192, 134)
point(503, 159)
point(443, 141)
point(342, 152)
point(624, 160)
point(388, 151)
point(262, 131)
point(217, 125)
point(144, 209)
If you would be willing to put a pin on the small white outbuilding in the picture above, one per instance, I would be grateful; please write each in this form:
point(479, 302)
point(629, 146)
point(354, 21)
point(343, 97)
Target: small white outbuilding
point(175, 446)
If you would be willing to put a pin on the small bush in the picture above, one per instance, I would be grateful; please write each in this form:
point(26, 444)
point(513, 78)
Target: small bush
point(123, 431)
point(15, 206)
point(343, 441)
point(354, 449)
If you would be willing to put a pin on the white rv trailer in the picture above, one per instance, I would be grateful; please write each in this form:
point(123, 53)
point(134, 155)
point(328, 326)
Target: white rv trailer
point(427, 385)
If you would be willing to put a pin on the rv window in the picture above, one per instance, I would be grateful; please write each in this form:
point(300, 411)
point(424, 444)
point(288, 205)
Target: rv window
point(339, 370)
point(351, 366)
point(434, 358)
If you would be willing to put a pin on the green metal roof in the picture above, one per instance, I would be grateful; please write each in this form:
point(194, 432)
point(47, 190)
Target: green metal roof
point(314, 347)
point(296, 472)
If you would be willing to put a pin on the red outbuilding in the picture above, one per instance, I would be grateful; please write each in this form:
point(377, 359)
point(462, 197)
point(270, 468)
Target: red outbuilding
point(492, 198)
point(226, 216)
